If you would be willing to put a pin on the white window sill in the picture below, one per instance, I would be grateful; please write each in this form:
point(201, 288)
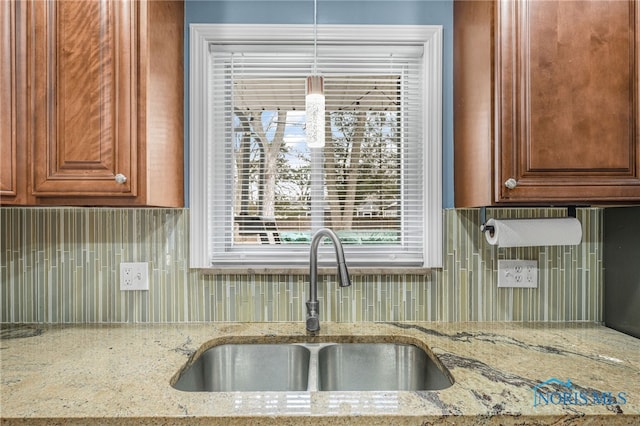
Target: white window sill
point(328, 270)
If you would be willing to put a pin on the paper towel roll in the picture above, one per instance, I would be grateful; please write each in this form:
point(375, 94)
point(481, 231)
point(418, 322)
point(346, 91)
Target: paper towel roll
point(534, 232)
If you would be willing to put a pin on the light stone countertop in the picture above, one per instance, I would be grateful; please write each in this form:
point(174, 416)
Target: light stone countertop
point(120, 374)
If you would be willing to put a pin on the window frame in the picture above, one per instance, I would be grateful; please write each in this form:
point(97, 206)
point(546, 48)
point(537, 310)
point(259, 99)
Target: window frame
point(202, 35)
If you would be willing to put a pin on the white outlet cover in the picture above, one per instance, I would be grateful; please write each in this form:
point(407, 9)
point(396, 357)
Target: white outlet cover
point(134, 276)
point(518, 273)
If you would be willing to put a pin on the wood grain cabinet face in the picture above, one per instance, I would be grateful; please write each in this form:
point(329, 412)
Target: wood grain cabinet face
point(85, 98)
point(560, 83)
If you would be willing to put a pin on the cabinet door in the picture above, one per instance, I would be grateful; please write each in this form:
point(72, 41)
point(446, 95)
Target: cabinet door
point(84, 99)
point(568, 101)
point(12, 144)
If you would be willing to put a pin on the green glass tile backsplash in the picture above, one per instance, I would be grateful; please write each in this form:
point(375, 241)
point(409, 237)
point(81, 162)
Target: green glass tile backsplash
point(61, 265)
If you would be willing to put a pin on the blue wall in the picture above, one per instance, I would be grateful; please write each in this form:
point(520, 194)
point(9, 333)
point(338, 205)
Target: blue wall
point(371, 12)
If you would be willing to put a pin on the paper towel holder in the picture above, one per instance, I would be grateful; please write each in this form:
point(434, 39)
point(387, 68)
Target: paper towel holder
point(483, 221)
point(571, 212)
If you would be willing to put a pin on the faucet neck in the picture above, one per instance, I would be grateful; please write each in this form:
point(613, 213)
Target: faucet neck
point(343, 275)
point(313, 322)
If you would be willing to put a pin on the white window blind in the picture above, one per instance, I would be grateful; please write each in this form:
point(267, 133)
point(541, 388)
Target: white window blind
point(267, 192)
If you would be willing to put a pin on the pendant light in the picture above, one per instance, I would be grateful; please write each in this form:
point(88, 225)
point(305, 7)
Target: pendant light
point(314, 100)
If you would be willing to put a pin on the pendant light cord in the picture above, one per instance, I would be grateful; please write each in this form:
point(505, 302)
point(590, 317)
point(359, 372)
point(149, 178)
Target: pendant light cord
point(315, 37)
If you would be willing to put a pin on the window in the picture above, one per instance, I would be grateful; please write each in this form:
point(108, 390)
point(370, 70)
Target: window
point(257, 191)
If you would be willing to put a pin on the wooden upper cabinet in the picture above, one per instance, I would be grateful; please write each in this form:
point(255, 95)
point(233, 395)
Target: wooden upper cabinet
point(546, 102)
point(104, 108)
point(85, 100)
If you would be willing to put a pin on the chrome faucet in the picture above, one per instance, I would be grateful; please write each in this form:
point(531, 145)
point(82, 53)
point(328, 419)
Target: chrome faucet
point(313, 321)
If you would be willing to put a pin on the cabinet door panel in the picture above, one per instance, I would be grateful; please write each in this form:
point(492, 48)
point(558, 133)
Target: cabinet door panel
point(84, 75)
point(8, 157)
point(568, 128)
point(13, 92)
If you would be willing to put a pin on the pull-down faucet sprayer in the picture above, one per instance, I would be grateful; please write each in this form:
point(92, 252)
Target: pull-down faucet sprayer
point(313, 321)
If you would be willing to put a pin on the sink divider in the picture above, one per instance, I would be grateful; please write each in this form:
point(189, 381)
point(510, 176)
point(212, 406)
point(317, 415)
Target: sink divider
point(314, 350)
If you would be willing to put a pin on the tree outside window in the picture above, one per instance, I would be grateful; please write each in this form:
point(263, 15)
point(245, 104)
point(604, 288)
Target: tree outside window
point(359, 166)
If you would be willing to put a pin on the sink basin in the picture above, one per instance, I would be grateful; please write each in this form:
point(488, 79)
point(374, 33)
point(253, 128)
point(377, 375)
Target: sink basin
point(378, 367)
point(312, 367)
point(248, 367)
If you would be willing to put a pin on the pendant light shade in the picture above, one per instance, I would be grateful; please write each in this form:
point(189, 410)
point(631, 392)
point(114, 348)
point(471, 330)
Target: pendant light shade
point(314, 107)
point(314, 100)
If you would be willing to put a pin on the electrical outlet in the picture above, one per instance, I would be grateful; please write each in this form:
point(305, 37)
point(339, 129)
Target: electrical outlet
point(134, 276)
point(518, 273)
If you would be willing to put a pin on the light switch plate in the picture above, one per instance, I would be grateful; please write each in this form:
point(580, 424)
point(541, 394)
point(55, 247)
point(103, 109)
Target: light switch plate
point(518, 273)
point(134, 276)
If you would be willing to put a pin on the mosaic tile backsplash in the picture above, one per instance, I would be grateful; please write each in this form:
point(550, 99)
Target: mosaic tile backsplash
point(61, 265)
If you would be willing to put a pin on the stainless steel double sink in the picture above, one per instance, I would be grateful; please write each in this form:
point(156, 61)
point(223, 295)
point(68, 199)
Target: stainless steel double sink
point(313, 367)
